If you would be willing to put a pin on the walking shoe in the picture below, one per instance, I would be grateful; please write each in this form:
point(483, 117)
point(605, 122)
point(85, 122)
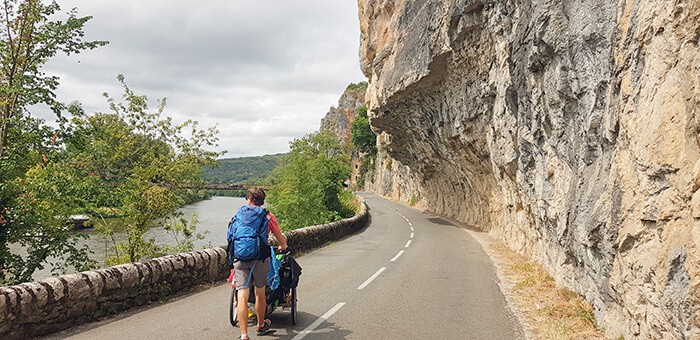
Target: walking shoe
point(265, 328)
point(240, 337)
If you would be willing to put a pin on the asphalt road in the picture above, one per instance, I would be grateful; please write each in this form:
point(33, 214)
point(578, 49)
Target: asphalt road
point(408, 275)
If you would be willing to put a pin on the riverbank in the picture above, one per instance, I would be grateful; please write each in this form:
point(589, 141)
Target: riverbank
point(213, 215)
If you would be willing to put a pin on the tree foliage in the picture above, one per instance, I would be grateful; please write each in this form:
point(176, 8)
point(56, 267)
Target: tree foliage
point(362, 135)
point(28, 39)
point(309, 181)
point(128, 161)
point(140, 158)
point(32, 229)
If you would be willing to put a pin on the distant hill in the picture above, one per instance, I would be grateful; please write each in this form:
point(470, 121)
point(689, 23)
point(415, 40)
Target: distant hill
point(241, 170)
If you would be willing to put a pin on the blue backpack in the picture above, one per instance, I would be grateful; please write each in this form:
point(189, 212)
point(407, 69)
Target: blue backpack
point(247, 234)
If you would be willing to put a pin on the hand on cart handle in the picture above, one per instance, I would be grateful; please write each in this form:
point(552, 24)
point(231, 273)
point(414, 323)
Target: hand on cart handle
point(281, 248)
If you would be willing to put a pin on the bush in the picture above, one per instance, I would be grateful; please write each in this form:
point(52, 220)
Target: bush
point(362, 135)
point(307, 185)
point(361, 86)
point(351, 205)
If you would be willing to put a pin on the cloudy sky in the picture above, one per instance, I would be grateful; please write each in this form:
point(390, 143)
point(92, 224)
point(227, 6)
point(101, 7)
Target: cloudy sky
point(265, 72)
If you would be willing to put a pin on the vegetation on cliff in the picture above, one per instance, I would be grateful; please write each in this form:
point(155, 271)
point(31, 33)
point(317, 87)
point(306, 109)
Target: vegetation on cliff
point(363, 137)
point(359, 87)
point(364, 140)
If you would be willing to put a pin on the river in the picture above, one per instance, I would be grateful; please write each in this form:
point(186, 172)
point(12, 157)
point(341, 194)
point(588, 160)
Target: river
point(213, 215)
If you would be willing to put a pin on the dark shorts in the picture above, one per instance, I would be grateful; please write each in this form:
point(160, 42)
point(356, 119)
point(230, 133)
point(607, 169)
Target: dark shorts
point(242, 272)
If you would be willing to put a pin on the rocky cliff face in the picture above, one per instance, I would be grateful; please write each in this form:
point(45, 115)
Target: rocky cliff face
point(339, 119)
point(568, 129)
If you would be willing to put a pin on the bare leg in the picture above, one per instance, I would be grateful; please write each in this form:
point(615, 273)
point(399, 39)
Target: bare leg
point(260, 305)
point(242, 309)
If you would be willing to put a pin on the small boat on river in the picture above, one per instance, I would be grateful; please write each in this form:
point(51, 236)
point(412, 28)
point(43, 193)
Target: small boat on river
point(78, 222)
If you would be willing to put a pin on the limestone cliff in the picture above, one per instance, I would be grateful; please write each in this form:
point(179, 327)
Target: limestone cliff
point(568, 129)
point(339, 119)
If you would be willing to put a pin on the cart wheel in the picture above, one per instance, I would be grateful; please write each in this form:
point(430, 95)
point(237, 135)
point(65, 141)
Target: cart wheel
point(294, 306)
point(232, 315)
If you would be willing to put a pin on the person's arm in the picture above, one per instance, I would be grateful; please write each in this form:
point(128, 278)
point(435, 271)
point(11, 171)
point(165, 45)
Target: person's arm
point(275, 229)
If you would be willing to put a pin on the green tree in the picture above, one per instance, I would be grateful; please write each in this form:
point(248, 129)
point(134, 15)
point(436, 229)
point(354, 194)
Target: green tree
point(307, 184)
point(361, 133)
point(29, 37)
point(141, 157)
point(46, 196)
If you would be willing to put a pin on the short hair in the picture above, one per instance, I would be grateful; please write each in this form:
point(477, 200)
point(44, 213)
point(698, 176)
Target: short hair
point(256, 195)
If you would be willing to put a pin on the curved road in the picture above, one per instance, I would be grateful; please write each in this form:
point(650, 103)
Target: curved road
point(408, 275)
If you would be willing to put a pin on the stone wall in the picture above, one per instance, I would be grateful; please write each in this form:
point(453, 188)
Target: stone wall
point(42, 307)
point(53, 304)
point(567, 129)
point(305, 239)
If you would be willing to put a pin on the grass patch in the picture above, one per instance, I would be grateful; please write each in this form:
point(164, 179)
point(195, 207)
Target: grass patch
point(524, 283)
point(548, 311)
point(586, 314)
point(349, 202)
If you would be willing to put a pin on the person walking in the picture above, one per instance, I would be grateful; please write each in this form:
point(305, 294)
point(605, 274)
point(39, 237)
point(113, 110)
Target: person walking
point(253, 271)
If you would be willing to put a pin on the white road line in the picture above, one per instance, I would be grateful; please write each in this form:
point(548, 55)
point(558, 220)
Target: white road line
point(318, 322)
point(400, 214)
point(411, 235)
point(409, 223)
point(411, 228)
point(371, 278)
point(407, 244)
point(397, 256)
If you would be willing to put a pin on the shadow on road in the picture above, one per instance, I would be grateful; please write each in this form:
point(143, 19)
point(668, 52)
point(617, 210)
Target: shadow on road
point(446, 221)
point(439, 221)
point(281, 323)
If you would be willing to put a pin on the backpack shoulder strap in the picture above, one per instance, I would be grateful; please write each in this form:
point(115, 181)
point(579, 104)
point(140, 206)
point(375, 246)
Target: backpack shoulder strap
point(231, 229)
point(263, 221)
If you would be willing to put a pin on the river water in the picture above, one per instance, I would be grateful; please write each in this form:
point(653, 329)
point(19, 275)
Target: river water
point(213, 215)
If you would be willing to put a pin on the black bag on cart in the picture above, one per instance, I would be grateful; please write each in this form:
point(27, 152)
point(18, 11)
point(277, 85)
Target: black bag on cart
point(289, 272)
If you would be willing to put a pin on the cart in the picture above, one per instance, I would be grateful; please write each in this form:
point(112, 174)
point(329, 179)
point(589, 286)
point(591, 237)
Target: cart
point(284, 296)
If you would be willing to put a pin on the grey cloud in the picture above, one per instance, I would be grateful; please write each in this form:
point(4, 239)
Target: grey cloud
point(221, 62)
